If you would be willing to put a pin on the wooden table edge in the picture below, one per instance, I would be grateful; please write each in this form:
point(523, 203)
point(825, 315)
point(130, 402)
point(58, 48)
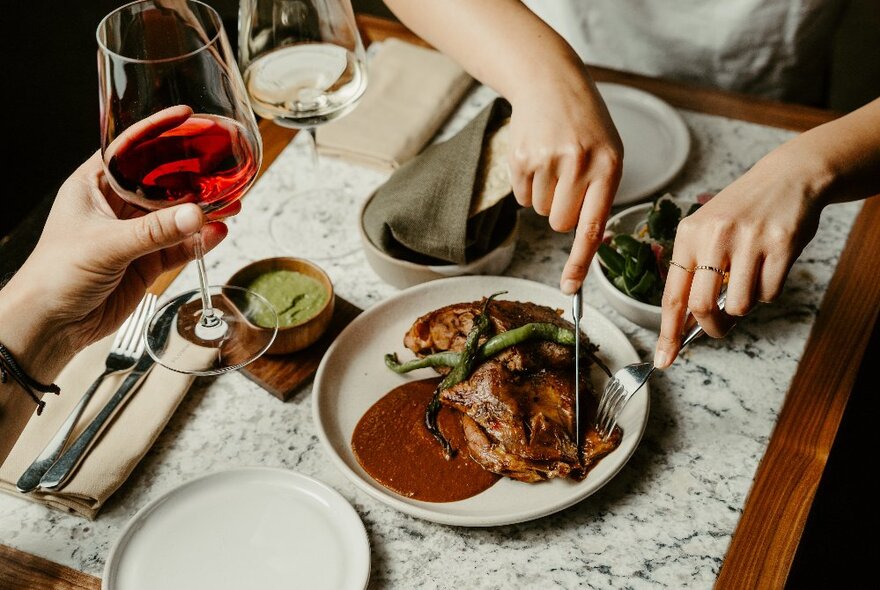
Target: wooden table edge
point(760, 554)
point(767, 535)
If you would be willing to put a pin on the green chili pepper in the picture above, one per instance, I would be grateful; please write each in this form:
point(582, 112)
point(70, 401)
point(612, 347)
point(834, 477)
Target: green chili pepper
point(460, 372)
point(493, 346)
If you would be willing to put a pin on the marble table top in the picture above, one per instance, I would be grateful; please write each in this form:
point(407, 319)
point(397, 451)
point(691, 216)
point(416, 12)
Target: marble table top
point(665, 520)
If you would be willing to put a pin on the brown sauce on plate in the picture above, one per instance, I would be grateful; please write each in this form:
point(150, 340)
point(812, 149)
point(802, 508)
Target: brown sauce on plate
point(393, 445)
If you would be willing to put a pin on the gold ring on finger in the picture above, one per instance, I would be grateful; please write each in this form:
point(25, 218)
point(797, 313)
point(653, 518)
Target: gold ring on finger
point(681, 266)
point(720, 271)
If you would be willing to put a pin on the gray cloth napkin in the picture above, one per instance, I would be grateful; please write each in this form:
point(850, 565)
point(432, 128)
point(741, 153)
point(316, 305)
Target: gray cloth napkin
point(421, 213)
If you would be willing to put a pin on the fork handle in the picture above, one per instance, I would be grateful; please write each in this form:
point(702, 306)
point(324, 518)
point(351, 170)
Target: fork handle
point(696, 331)
point(62, 469)
point(30, 479)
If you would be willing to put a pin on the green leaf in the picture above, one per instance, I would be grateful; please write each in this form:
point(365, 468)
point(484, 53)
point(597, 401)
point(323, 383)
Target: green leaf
point(620, 283)
point(663, 220)
point(645, 284)
point(628, 245)
point(611, 260)
point(632, 271)
point(643, 258)
point(693, 209)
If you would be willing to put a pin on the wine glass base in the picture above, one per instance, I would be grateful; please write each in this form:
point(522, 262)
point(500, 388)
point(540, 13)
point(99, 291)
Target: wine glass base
point(318, 223)
point(177, 339)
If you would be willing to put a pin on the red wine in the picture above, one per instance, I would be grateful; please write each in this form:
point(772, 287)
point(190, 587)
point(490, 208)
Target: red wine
point(208, 160)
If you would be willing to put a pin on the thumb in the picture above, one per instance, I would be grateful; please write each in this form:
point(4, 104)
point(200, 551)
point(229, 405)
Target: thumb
point(157, 230)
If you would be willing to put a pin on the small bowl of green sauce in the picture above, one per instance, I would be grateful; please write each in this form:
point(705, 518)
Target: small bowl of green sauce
point(301, 293)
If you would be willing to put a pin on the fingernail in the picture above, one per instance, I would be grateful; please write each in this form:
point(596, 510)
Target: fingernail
point(188, 220)
point(662, 359)
point(569, 287)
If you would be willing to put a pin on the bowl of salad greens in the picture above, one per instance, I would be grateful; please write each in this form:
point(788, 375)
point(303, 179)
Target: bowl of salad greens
point(633, 260)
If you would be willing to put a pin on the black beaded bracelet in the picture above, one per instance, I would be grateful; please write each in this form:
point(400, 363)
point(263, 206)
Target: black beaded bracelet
point(9, 366)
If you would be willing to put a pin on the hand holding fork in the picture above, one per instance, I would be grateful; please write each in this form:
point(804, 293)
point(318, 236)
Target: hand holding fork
point(127, 347)
point(627, 381)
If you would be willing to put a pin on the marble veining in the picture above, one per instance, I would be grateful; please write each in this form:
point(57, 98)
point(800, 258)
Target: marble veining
point(664, 521)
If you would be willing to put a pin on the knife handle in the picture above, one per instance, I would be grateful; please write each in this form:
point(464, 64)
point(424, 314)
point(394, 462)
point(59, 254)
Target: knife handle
point(70, 460)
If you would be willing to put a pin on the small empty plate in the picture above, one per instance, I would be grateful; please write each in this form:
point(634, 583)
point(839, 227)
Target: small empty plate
point(656, 140)
point(244, 528)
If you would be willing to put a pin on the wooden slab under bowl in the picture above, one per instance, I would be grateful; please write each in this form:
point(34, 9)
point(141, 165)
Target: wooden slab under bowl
point(284, 375)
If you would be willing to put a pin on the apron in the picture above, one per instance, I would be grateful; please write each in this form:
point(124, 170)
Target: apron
point(778, 49)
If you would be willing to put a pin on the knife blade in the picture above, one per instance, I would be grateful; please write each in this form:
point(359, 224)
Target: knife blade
point(70, 460)
point(577, 310)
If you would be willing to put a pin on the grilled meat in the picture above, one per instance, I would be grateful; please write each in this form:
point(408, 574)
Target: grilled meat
point(518, 407)
point(447, 329)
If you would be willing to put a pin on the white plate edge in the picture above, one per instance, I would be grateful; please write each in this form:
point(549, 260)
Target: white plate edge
point(155, 503)
point(674, 122)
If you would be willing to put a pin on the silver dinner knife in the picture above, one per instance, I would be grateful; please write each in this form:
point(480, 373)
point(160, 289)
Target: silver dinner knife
point(70, 460)
point(73, 456)
point(577, 310)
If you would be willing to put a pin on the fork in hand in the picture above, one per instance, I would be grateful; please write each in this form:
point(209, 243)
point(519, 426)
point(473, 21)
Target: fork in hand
point(127, 347)
point(628, 380)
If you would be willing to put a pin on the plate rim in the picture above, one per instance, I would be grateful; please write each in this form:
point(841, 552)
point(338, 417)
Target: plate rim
point(113, 556)
point(390, 500)
point(672, 120)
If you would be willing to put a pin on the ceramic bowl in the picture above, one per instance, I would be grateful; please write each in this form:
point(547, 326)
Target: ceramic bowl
point(639, 313)
point(303, 334)
point(404, 273)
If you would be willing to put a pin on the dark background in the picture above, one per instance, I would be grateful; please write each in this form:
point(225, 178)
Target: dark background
point(52, 126)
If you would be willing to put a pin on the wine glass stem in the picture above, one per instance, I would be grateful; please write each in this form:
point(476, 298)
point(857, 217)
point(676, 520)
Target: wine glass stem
point(209, 319)
point(313, 138)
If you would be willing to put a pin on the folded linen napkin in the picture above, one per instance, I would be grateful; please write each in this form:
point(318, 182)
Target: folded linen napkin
point(449, 204)
point(410, 93)
point(123, 443)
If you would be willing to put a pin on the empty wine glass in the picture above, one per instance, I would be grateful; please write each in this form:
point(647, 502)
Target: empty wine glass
point(304, 65)
point(177, 127)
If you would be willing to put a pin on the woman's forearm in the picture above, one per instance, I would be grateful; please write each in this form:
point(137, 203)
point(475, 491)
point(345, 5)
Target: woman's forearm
point(840, 159)
point(501, 43)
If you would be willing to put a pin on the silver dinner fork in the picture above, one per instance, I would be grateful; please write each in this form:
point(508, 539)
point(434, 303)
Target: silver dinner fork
point(127, 347)
point(627, 381)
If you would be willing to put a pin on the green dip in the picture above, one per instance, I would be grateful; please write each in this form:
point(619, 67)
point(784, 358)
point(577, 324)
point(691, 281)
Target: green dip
point(295, 297)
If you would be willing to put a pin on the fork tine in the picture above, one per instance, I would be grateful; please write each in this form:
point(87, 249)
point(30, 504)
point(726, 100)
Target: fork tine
point(129, 333)
point(123, 331)
point(612, 390)
point(149, 308)
point(614, 411)
point(611, 406)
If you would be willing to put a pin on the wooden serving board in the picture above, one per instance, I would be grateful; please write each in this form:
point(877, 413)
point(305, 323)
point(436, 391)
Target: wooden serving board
point(283, 375)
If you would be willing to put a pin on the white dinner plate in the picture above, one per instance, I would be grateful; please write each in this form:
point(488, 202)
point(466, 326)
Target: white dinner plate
point(656, 140)
point(254, 527)
point(352, 376)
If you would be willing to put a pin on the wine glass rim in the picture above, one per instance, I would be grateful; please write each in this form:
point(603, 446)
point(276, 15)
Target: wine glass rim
point(212, 41)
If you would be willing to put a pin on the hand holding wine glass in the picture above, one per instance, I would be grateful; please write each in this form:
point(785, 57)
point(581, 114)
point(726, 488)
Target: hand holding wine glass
point(176, 127)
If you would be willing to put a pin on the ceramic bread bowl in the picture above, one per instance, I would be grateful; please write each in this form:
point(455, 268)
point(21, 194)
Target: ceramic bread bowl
point(402, 273)
point(299, 327)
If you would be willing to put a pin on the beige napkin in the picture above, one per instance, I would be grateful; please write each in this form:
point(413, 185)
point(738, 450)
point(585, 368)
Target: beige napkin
point(410, 92)
point(121, 446)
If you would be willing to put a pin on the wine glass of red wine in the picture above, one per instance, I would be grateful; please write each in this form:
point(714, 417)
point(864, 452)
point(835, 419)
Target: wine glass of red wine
point(177, 127)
